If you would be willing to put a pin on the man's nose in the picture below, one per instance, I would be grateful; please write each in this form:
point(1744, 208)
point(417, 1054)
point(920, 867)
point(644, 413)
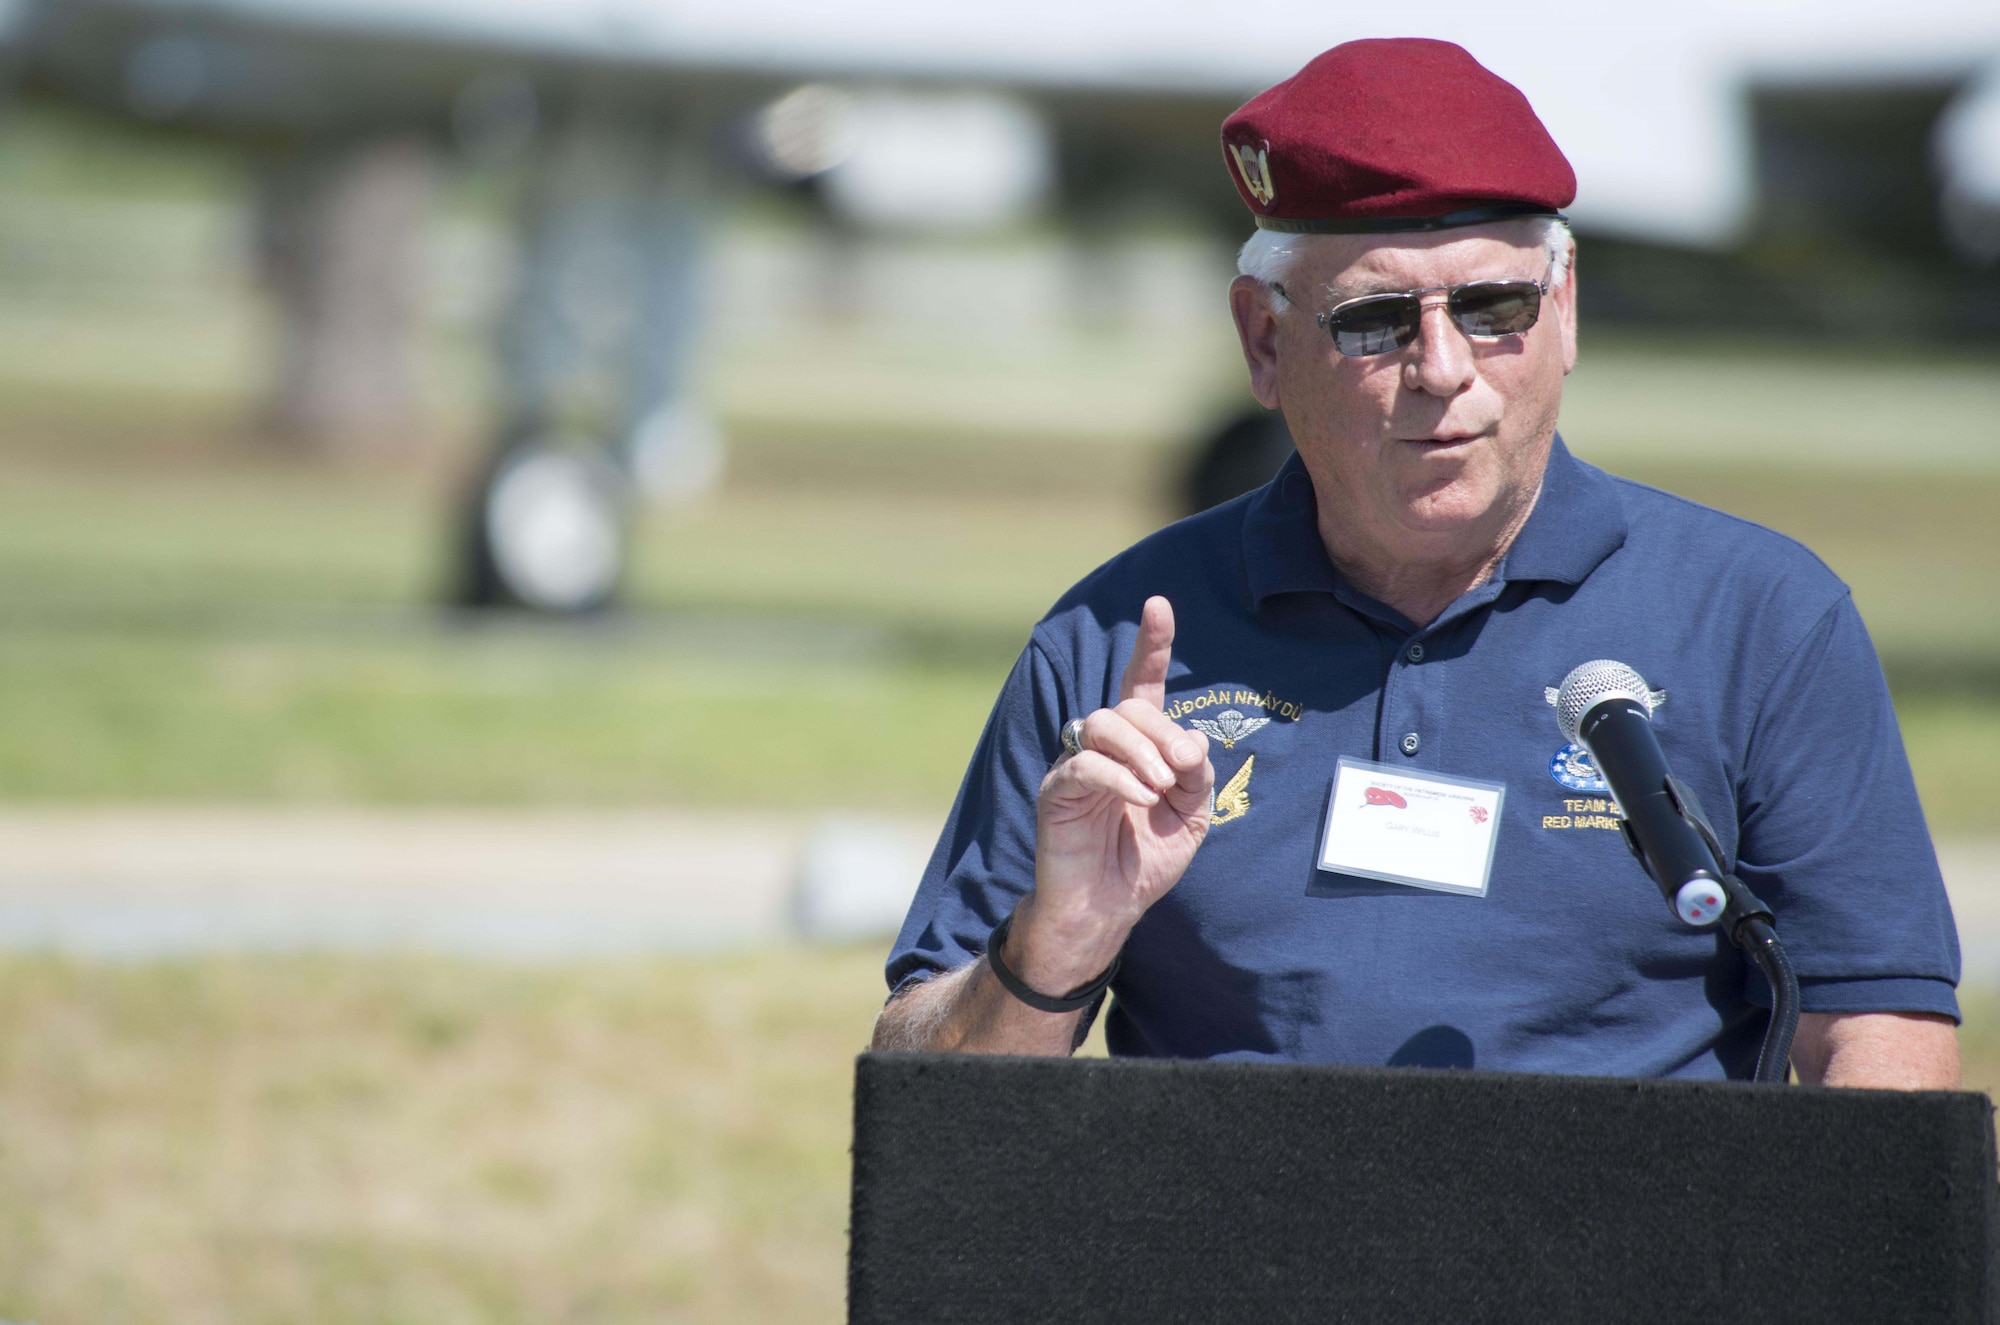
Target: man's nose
point(1439, 360)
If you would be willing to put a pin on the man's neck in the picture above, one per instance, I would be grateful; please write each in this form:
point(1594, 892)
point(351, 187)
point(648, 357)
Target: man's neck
point(1419, 581)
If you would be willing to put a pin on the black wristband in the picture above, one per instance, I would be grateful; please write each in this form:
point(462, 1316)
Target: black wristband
point(1075, 1001)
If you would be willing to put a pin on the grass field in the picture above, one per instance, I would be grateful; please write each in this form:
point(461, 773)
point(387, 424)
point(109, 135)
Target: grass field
point(318, 1141)
point(308, 1142)
point(191, 619)
point(201, 631)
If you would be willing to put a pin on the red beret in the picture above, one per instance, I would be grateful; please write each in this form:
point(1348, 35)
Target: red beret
point(1387, 135)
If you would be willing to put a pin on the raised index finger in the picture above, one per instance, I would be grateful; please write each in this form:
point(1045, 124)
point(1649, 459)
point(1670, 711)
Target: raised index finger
point(1146, 675)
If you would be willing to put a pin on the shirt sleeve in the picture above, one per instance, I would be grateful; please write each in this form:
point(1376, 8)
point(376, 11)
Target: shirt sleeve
point(985, 861)
point(1833, 838)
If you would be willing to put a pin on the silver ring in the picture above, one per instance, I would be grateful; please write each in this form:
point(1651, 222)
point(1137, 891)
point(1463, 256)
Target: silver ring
point(1072, 736)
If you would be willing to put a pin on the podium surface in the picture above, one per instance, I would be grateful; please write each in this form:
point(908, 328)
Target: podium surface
point(1010, 1189)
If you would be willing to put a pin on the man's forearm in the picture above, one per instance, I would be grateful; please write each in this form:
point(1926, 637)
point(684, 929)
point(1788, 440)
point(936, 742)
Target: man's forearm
point(1879, 1050)
point(967, 1011)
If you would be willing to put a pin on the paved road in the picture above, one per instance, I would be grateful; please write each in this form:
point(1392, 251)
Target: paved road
point(135, 883)
point(147, 882)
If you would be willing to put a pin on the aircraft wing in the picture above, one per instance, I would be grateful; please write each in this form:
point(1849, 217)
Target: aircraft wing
point(1645, 101)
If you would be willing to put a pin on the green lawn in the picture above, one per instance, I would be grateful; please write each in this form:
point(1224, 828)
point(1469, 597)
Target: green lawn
point(189, 619)
point(299, 1141)
point(205, 627)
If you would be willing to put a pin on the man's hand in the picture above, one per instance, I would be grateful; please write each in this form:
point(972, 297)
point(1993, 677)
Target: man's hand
point(1115, 826)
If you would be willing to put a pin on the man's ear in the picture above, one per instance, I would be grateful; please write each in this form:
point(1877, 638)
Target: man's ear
point(1257, 330)
point(1565, 302)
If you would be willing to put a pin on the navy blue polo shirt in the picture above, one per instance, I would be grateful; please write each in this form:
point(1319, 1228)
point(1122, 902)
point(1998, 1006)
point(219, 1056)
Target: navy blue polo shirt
point(1775, 712)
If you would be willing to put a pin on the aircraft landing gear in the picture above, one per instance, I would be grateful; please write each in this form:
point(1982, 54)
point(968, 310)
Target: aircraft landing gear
point(594, 352)
point(1244, 454)
point(547, 527)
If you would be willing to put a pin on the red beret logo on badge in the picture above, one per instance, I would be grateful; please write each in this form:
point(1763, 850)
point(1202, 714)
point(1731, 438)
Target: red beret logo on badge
point(1383, 796)
point(1253, 162)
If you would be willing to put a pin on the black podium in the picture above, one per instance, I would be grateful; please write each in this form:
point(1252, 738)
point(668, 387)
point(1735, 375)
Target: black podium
point(1029, 1190)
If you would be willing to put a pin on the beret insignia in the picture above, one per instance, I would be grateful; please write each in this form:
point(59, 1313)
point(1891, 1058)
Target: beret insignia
point(1253, 162)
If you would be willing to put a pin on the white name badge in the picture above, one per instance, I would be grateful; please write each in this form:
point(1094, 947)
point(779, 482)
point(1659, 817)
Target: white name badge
point(1426, 830)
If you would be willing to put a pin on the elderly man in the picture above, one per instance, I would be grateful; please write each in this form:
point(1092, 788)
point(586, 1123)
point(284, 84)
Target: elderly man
point(1206, 823)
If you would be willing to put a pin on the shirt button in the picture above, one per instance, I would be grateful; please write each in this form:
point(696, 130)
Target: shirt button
point(1415, 653)
point(1410, 743)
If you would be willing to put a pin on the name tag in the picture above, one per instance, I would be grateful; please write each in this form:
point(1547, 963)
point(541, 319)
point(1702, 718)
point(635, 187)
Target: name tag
point(1423, 829)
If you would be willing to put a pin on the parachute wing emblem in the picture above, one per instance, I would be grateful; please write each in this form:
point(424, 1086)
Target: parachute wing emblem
point(1229, 727)
point(1233, 801)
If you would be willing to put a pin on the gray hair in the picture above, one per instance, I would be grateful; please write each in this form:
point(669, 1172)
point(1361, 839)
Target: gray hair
point(1267, 256)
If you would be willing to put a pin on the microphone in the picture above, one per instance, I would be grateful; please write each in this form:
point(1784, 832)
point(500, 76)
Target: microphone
point(1606, 707)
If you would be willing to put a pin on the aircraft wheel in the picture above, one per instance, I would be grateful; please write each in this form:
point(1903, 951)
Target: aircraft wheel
point(548, 530)
point(1242, 455)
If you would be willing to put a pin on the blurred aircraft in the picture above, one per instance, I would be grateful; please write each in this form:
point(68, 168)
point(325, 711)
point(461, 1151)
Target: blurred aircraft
point(635, 119)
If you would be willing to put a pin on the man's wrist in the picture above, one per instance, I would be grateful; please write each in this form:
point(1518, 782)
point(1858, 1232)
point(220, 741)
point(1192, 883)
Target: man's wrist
point(1073, 1001)
point(1058, 949)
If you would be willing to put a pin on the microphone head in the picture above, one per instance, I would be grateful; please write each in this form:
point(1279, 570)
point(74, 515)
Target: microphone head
point(1595, 681)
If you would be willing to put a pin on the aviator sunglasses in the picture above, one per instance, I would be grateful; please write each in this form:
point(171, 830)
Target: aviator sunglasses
point(1384, 323)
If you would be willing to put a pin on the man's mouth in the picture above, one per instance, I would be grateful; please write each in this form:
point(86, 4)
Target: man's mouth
point(1443, 441)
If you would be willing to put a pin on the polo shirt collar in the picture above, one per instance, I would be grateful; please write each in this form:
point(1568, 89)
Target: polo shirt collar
point(1282, 551)
point(1577, 522)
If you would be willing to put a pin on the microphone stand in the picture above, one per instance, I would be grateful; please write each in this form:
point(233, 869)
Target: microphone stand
point(1753, 933)
point(1750, 926)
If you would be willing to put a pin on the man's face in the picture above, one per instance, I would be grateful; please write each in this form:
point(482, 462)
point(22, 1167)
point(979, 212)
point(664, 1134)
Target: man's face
point(1443, 440)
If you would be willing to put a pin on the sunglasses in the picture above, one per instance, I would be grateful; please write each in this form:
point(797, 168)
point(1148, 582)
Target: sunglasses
point(1384, 323)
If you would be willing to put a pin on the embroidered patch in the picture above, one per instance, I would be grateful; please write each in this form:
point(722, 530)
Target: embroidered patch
point(1571, 768)
point(1229, 696)
point(1229, 727)
point(1253, 162)
point(1233, 801)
